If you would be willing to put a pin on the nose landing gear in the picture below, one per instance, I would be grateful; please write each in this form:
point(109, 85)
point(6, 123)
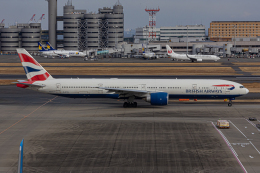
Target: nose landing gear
point(230, 103)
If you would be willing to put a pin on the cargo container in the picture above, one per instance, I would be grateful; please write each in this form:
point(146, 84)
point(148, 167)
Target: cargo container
point(223, 124)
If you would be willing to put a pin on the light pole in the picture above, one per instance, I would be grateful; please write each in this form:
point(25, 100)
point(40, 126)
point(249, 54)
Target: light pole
point(235, 35)
point(147, 41)
point(187, 39)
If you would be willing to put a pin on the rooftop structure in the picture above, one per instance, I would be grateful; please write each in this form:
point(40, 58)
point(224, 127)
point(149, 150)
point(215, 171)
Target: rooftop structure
point(26, 35)
point(172, 33)
point(86, 30)
point(227, 30)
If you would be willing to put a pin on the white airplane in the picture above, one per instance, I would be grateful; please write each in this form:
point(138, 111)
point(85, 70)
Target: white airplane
point(192, 58)
point(146, 55)
point(61, 53)
point(149, 55)
point(154, 91)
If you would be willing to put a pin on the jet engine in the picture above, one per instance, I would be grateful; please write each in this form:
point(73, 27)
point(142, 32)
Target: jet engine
point(160, 98)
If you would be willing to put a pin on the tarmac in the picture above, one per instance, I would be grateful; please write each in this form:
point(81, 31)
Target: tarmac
point(99, 135)
point(40, 59)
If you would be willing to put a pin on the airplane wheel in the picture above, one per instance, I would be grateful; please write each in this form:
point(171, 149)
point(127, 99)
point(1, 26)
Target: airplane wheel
point(125, 105)
point(135, 104)
point(229, 104)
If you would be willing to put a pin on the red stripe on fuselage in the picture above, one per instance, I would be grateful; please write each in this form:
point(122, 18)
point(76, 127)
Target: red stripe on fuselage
point(25, 58)
point(224, 85)
point(40, 77)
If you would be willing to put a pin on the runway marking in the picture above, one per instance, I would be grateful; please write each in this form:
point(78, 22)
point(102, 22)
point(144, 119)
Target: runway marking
point(237, 129)
point(252, 124)
point(27, 115)
point(242, 144)
point(230, 147)
point(254, 147)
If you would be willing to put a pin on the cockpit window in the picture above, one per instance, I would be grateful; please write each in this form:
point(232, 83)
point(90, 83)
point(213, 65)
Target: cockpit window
point(242, 87)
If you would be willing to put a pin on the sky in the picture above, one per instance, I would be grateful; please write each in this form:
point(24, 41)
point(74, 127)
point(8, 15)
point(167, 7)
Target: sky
point(172, 12)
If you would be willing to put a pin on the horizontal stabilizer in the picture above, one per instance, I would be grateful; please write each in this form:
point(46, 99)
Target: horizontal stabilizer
point(28, 84)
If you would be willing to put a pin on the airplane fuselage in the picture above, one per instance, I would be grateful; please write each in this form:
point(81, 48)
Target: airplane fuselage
point(63, 52)
point(198, 57)
point(148, 55)
point(176, 88)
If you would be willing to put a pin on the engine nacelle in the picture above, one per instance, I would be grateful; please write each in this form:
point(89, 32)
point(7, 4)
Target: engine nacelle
point(199, 60)
point(160, 98)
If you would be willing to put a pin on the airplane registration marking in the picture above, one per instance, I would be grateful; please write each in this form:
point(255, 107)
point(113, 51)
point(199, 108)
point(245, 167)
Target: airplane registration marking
point(28, 115)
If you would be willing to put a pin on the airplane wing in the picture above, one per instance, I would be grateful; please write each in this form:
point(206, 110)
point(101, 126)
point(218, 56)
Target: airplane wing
point(193, 58)
point(190, 57)
point(138, 56)
point(62, 55)
point(124, 90)
point(128, 92)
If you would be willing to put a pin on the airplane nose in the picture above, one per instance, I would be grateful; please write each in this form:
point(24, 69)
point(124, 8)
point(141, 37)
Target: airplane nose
point(247, 91)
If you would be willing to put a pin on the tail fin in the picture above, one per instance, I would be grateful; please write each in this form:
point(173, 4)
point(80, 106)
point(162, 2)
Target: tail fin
point(169, 50)
point(34, 71)
point(49, 47)
point(41, 48)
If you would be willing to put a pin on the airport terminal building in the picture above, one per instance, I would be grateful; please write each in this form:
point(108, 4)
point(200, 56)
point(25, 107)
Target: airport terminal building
point(227, 30)
point(82, 30)
point(25, 35)
point(172, 33)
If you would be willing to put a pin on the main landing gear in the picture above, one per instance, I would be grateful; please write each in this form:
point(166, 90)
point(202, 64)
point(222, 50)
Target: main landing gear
point(230, 103)
point(130, 104)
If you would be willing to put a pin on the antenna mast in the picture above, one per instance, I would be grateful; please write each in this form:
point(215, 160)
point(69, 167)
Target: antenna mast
point(152, 22)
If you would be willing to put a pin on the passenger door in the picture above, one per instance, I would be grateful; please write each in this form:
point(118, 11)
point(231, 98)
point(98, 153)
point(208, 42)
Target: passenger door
point(100, 91)
point(142, 87)
point(58, 86)
point(194, 88)
point(227, 91)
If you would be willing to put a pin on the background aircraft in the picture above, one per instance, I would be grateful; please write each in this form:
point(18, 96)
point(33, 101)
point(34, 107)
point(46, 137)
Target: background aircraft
point(192, 58)
point(61, 53)
point(149, 55)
